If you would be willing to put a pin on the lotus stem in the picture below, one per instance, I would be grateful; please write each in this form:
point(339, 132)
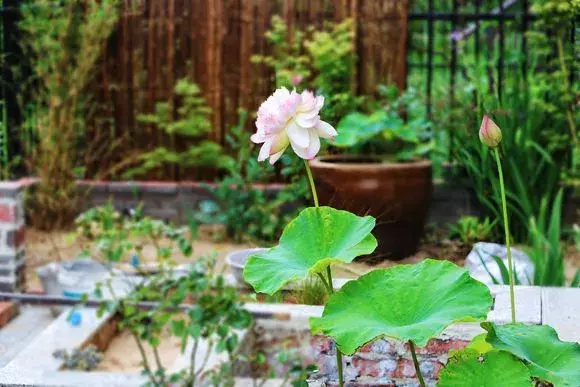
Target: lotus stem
point(507, 235)
point(311, 181)
point(416, 363)
point(338, 353)
point(328, 283)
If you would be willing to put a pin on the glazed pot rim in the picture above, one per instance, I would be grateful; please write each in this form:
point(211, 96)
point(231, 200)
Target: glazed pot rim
point(333, 162)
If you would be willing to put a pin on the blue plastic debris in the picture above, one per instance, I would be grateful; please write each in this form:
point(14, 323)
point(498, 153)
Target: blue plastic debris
point(135, 261)
point(75, 319)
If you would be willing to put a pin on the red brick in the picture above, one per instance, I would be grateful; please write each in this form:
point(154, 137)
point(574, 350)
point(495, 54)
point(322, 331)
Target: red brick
point(405, 369)
point(320, 344)
point(368, 368)
point(15, 238)
point(438, 346)
point(8, 310)
point(8, 213)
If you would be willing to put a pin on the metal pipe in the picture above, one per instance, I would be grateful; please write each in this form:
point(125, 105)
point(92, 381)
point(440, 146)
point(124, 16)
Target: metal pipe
point(47, 300)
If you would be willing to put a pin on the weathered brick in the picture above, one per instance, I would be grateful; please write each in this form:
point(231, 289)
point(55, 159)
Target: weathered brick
point(10, 189)
point(8, 310)
point(8, 212)
point(15, 238)
point(438, 346)
point(160, 187)
point(321, 344)
point(405, 369)
point(9, 286)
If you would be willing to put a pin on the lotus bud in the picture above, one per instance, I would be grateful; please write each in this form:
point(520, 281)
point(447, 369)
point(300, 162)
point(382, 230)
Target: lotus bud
point(296, 79)
point(489, 132)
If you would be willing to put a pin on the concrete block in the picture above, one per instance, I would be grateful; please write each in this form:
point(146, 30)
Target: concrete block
point(561, 311)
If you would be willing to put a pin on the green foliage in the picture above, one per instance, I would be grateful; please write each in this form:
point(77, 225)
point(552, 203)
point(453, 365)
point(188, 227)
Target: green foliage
point(546, 249)
point(536, 160)
point(85, 359)
point(470, 229)
point(494, 368)
point(546, 357)
point(310, 291)
point(333, 58)
point(191, 119)
point(310, 243)
point(247, 211)
point(63, 42)
point(114, 238)
point(503, 269)
point(320, 59)
point(287, 59)
point(216, 312)
point(384, 131)
point(405, 302)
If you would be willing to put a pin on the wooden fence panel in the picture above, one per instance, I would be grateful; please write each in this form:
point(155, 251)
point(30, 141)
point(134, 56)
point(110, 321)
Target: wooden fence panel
point(212, 42)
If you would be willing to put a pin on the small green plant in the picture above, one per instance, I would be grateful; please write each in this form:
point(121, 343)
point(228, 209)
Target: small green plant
point(470, 229)
point(289, 64)
point(85, 359)
point(333, 58)
point(191, 120)
point(384, 131)
point(546, 249)
point(323, 59)
point(310, 291)
point(248, 213)
point(215, 312)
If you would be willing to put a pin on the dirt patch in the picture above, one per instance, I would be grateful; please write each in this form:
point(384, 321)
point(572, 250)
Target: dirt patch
point(44, 247)
point(123, 355)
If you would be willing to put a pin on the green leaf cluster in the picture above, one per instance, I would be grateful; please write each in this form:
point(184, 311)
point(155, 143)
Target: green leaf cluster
point(185, 116)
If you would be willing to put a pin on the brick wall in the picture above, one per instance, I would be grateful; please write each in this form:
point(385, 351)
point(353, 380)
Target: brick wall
point(12, 234)
point(161, 200)
point(384, 362)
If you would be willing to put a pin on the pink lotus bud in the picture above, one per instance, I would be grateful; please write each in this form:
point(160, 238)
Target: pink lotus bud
point(288, 118)
point(296, 79)
point(489, 132)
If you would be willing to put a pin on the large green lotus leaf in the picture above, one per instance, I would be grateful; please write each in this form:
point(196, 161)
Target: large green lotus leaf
point(317, 237)
point(405, 302)
point(547, 357)
point(492, 369)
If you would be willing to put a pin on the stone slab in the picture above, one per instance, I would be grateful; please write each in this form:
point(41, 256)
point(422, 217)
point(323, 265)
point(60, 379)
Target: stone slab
point(60, 334)
point(528, 304)
point(16, 335)
point(561, 310)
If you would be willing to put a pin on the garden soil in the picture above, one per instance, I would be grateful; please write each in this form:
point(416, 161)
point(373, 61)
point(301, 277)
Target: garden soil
point(44, 247)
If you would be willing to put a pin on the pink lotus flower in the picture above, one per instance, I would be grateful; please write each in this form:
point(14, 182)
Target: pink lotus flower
point(489, 132)
point(288, 118)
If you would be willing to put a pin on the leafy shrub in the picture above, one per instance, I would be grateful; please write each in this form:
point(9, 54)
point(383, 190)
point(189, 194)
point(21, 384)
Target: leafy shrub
point(246, 211)
point(63, 42)
point(385, 131)
point(287, 59)
point(333, 57)
point(191, 121)
point(323, 60)
point(469, 229)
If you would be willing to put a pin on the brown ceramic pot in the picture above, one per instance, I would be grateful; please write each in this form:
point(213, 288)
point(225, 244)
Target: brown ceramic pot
point(398, 195)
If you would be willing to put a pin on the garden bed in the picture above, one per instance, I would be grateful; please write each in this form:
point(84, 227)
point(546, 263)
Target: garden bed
point(384, 362)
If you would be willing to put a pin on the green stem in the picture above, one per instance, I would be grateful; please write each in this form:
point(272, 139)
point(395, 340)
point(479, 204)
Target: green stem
point(338, 353)
point(416, 363)
point(328, 283)
point(507, 235)
point(311, 181)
